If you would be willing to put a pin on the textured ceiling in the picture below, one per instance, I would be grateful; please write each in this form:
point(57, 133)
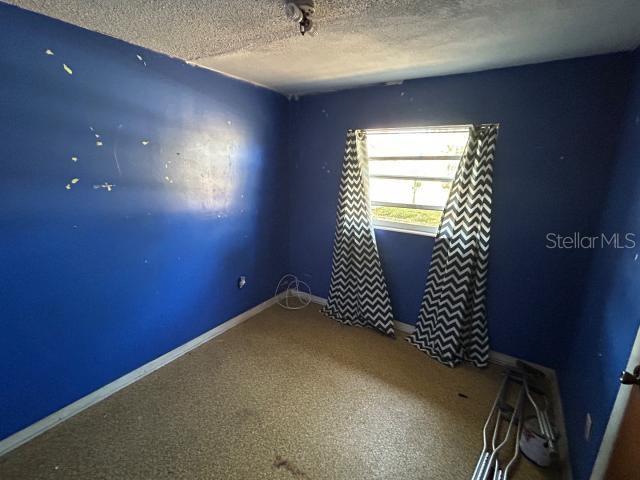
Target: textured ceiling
point(359, 41)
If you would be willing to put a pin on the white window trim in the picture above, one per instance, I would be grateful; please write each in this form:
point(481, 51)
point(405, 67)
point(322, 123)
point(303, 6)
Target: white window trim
point(405, 228)
point(408, 227)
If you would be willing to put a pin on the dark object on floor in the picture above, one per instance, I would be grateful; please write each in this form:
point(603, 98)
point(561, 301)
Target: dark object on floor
point(280, 462)
point(462, 395)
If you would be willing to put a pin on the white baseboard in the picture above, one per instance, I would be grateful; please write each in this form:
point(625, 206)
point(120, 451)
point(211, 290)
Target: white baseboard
point(505, 360)
point(41, 426)
point(401, 326)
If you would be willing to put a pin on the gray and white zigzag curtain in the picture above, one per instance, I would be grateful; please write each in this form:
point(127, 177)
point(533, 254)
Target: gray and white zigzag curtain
point(452, 324)
point(358, 292)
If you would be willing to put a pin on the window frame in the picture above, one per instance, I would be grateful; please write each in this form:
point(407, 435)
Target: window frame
point(409, 227)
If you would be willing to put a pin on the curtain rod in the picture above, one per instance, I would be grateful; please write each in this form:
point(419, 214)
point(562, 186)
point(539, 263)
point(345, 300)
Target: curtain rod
point(426, 129)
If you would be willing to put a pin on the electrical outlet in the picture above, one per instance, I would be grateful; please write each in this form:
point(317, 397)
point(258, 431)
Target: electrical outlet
point(242, 281)
point(587, 427)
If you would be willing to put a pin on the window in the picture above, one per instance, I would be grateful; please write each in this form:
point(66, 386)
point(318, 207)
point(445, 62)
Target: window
point(410, 175)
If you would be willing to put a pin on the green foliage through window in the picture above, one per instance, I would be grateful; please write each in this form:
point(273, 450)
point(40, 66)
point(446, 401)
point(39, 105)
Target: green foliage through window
point(414, 216)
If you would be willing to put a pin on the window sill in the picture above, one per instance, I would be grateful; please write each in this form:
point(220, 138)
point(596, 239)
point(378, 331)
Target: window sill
point(405, 230)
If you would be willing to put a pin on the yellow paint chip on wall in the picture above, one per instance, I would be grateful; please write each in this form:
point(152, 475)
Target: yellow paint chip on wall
point(75, 180)
point(48, 52)
point(98, 144)
point(68, 186)
point(67, 69)
point(74, 159)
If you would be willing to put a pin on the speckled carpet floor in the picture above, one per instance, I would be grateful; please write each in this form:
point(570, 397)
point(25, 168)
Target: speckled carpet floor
point(286, 395)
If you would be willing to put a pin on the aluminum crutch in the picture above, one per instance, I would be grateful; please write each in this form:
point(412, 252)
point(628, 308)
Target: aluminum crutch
point(482, 464)
point(543, 418)
point(497, 449)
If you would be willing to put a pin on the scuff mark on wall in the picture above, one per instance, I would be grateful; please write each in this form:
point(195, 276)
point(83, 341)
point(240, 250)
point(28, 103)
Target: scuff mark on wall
point(115, 150)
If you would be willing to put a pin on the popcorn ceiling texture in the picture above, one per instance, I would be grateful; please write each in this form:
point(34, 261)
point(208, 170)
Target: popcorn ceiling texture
point(359, 41)
point(286, 395)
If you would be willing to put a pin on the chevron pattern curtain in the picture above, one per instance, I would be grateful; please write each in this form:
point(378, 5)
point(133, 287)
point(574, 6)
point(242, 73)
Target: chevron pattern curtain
point(452, 324)
point(358, 292)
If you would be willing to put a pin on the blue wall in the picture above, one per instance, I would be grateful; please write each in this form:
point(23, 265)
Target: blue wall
point(96, 283)
point(603, 333)
point(550, 176)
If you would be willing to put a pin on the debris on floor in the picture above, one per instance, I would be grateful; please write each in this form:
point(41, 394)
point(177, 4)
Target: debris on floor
point(281, 462)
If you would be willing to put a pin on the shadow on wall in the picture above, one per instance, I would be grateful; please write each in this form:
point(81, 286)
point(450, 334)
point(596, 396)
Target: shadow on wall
point(603, 333)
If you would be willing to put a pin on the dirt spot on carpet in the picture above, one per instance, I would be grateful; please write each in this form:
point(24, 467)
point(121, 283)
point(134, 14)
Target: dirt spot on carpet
point(281, 462)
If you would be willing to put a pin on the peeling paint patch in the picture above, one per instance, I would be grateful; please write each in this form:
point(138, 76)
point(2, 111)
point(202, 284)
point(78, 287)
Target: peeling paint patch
point(67, 69)
point(145, 142)
point(49, 52)
point(97, 136)
point(75, 180)
point(74, 159)
point(98, 143)
point(68, 186)
point(106, 186)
